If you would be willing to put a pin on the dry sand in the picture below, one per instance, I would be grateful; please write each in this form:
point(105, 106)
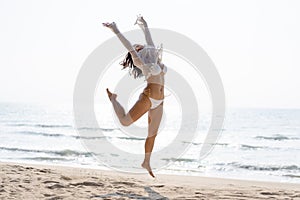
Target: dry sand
point(24, 181)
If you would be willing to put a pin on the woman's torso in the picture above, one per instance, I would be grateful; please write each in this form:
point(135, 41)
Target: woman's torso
point(155, 85)
point(151, 56)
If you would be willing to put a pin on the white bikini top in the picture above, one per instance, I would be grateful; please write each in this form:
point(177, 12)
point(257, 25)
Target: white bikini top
point(151, 56)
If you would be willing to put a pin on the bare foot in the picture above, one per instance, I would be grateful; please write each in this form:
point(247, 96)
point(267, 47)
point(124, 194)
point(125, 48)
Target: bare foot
point(146, 165)
point(111, 96)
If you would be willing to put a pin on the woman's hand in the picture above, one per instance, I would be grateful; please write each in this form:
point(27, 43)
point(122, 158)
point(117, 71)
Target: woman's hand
point(140, 21)
point(112, 26)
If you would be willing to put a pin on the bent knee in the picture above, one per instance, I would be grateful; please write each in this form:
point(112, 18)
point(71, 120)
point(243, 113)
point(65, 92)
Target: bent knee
point(152, 135)
point(126, 122)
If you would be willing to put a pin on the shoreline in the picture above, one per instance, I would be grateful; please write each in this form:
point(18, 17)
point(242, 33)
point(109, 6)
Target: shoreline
point(104, 168)
point(32, 181)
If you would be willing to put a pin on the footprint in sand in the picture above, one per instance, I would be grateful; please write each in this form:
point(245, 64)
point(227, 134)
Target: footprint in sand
point(65, 178)
point(124, 183)
point(56, 186)
point(46, 182)
point(87, 183)
point(269, 193)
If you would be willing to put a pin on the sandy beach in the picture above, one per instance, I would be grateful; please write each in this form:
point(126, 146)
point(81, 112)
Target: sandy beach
point(27, 181)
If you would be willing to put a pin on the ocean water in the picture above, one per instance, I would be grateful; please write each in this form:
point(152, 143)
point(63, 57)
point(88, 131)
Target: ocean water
point(255, 144)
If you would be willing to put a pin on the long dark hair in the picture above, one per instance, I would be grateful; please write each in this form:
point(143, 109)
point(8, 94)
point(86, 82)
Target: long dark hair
point(133, 70)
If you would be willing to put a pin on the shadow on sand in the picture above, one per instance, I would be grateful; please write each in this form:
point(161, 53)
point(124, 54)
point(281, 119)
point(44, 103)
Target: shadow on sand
point(152, 195)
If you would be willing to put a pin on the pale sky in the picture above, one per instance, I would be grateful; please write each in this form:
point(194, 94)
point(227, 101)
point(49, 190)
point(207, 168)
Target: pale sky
point(255, 45)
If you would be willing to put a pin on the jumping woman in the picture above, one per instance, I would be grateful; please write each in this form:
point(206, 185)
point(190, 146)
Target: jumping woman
point(142, 60)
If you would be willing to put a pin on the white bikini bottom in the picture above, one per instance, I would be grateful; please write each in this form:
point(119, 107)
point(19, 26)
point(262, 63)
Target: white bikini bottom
point(155, 103)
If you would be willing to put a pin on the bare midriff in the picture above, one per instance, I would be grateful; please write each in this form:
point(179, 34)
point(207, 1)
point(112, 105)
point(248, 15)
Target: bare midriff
point(155, 86)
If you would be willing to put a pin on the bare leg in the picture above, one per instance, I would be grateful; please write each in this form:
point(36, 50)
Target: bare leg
point(142, 105)
point(155, 116)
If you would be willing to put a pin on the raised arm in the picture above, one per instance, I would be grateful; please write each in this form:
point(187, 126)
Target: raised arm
point(136, 59)
point(144, 26)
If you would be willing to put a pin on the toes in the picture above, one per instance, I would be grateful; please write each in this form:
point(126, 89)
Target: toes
point(109, 93)
point(148, 168)
point(151, 174)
